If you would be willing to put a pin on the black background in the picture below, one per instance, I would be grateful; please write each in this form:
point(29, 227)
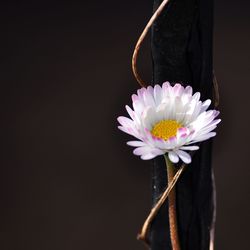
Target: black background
point(67, 179)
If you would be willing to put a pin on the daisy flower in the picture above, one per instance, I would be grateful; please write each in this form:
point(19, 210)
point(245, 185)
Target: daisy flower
point(168, 120)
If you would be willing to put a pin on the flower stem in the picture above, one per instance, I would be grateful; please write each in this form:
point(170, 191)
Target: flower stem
point(172, 207)
point(143, 234)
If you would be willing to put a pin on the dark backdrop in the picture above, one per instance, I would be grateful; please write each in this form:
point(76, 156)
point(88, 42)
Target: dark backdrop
point(67, 179)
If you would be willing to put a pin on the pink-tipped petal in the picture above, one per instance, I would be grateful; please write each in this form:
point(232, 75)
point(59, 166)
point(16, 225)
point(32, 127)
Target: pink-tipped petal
point(188, 91)
point(178, 89)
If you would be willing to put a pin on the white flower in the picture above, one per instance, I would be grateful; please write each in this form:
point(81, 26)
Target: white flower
point(168, 120)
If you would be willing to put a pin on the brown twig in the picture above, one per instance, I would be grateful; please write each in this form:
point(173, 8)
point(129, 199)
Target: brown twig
point(216, 91)
point(143, 235)
point(141, 39)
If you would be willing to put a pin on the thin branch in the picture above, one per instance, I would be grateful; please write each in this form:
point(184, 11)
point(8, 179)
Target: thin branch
point(141, 39)
point(143, 235)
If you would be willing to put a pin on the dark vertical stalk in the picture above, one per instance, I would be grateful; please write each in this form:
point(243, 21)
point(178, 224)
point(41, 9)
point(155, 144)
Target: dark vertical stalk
point(182, 52)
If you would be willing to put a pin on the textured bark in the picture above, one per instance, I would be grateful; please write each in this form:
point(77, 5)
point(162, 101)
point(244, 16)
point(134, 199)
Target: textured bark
point(182, 52)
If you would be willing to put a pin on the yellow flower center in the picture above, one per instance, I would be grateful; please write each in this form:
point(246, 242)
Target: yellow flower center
point(165, 129)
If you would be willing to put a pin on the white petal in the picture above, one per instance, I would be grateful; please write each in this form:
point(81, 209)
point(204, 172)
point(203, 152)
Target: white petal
point(188, 91)
point(173, 157)
point(183, 136)
point(182, 132)
point(149, 117)
point(136, 143)
point(187, 95)
point(171, 142)
point(212, 123)
point(203, 137)
point(157, 151)
point(124, 121)
point(166, 89)
point(130, 112)
point(208, 128)
point(157, 94)
point(150, 89)
point(159, 143)
point(141, 150)
point(185, 157)
point(203, 119)
point(178, 110)
point(205, 105)
point(129, 131)
point(140, 93)
point(197, 96)
point(148, 97)
point(191, 148)
point(123, 129)
point(178, 89)
point(138, 105)
point(166, 85)
point(148, 156)
point(152, 154)
point(194, 111)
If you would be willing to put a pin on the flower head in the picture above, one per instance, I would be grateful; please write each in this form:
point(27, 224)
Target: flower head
point(168, 119)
